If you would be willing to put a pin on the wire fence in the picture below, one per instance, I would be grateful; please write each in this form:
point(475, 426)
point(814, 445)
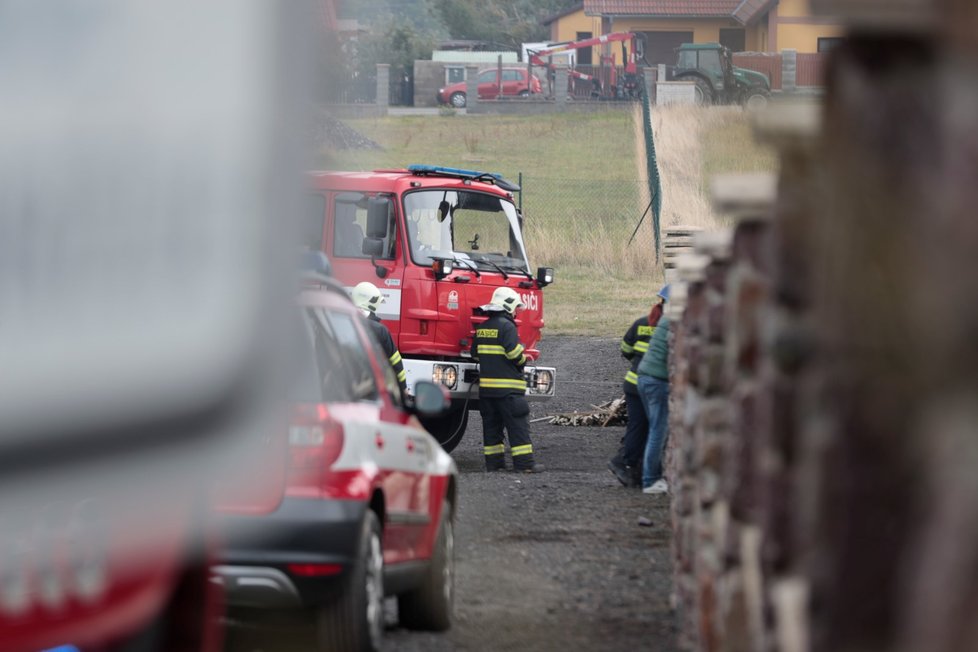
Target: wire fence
point(589, 222)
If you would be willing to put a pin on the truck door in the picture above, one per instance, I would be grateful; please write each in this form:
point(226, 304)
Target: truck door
point(364, 243)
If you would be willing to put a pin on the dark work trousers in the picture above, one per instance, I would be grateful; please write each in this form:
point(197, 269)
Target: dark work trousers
point(636, 432)
point(511, 413)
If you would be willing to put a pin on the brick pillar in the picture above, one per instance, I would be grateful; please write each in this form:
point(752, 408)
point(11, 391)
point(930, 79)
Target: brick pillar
point(789, 70)
point(471, 88)
point(560, 85)
point(383, 85)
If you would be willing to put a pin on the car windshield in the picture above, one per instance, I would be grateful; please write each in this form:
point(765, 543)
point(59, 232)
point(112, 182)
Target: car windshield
point(478, 229)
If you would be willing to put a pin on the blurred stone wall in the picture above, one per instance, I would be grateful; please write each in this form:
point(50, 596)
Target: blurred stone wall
point(823, 451)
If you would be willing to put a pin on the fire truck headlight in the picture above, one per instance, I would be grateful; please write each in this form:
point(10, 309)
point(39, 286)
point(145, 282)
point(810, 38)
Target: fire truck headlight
point(543, 381)
point(445, 374)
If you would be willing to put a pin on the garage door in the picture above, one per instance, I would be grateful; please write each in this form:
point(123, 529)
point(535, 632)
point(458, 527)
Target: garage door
point(660, 46)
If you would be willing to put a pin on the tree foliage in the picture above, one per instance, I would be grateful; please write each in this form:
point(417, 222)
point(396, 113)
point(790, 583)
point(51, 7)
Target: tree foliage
point(506, 22)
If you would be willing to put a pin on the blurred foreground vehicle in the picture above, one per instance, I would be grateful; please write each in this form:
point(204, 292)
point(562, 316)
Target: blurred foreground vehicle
point(142, 160)
point(370, 496)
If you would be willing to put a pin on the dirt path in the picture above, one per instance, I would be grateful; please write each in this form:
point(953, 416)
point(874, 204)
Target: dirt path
point(557, 561)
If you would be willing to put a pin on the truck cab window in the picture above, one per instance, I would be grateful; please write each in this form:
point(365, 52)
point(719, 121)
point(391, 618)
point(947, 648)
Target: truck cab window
point(350, 226)
point(479, 230)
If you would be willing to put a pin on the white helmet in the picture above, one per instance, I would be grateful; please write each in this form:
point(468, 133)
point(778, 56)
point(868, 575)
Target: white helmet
point(506, 298)
point(367, 297)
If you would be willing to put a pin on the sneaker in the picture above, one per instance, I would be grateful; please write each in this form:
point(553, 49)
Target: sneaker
point(620, 471)
point(536, 468)
point(658, 487)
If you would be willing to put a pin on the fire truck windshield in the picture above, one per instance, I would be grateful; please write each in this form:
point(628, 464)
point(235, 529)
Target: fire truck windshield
point(479, 229)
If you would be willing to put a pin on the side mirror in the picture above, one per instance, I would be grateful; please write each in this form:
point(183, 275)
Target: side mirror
point(430, 399)
point(378, 210)
point(374, 247)
point(545, 276)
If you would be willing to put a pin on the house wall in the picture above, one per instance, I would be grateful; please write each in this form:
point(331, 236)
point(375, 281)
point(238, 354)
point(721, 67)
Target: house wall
point(567, 27)
point(799, 30)
point(789, 25)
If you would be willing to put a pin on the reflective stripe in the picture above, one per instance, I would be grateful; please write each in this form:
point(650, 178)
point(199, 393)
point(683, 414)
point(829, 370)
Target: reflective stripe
point(641, 347)
point(515, 353)
point(401, 376)
point(626, 347)
point(490, 349)
point(526, 449)
point(395, 357)
point(498, 449)
point(502, 383)
point(631, 377)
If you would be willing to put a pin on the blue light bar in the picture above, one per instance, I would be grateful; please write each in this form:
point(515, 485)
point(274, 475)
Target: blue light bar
point(459, 173)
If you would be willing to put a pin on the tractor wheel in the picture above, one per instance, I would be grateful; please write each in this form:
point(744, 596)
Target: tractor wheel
point(457, 100)
point(704, 93)
point(755, 100)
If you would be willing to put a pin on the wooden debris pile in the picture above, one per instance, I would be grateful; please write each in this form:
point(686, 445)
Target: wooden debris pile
point(611, 413)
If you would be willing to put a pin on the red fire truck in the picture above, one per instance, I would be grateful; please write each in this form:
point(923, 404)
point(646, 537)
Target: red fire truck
point(437, 241)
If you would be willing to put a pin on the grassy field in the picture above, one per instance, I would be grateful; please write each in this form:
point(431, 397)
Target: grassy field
point(584, 190)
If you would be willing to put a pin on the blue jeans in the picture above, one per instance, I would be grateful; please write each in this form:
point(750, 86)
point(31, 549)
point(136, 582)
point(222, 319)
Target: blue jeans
point(655, 395)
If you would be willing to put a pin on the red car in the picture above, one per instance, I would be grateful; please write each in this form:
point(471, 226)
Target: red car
point(369, 499)
point(514, 83)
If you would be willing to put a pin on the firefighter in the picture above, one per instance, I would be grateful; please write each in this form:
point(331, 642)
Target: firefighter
point(368, 298)
point(626, 465)
point(502, 388)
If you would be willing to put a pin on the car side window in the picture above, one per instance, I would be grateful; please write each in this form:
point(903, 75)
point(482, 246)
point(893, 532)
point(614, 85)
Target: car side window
point(390, 377)
point(487, 77)
point(333, 382)
point(363, 383)
point(512, 75)
point(305, 382)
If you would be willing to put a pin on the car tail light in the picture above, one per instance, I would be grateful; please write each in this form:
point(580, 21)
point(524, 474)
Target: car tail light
point(315, 570)
point(315, 443)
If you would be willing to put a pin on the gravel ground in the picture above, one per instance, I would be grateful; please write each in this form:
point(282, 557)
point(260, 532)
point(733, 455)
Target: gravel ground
point(558, 560)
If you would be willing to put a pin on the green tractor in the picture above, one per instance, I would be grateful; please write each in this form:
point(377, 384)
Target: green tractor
point(718, 81)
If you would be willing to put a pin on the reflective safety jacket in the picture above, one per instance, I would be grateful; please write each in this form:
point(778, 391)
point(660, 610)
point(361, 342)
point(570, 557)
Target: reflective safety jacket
point(497, 348)
point(633, 347)
point(387, 344)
